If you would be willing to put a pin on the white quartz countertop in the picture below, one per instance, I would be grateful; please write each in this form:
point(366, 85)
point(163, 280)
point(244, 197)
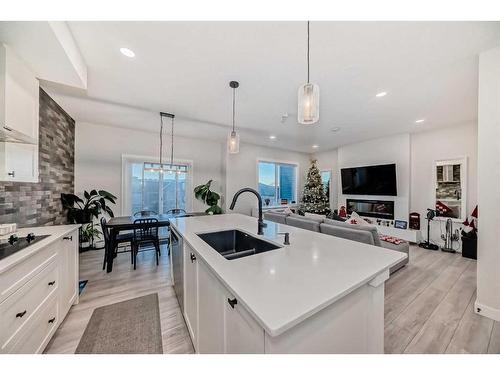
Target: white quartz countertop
point(55, 232)
point(283, 287)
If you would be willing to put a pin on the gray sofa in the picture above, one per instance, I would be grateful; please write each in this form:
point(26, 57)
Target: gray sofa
point(360, 233)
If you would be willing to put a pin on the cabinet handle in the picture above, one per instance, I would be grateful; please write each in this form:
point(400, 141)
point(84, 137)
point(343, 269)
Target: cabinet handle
point(52, 283)
point(193, 258)
point(12, 174)
point(232, 302)
point(69, 238)
point(52, 320)
point(21, 314)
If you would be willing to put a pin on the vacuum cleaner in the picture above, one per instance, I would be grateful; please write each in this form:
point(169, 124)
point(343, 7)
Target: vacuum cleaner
point(427, 244)
point(449, 237)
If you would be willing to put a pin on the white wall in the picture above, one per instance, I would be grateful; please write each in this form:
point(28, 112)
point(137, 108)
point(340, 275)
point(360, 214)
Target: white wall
point(99, 150)
point(414, 155)
point(442, 144)
point(241, 171)
point(395, 149)
point(488, 264)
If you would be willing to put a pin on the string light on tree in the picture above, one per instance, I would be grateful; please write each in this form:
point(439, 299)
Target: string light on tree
point(314, 199)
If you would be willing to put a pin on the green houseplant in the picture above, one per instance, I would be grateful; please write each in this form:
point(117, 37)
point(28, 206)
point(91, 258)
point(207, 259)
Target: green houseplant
point(88, 234)
point(82, 211)
point(209, 197)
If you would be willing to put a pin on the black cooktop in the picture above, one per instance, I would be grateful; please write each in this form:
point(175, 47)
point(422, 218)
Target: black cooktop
point(14, 244)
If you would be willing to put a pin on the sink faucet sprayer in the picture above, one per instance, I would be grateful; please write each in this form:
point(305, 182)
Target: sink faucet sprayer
point(261, 224)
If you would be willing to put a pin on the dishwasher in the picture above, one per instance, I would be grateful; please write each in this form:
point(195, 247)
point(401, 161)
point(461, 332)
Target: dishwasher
point(177, 266)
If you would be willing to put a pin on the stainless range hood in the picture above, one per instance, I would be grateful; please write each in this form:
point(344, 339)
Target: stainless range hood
point(13, 136)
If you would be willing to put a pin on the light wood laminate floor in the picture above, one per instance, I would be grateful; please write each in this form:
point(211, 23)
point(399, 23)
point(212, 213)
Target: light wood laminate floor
point(428, 304)
point(122, 284)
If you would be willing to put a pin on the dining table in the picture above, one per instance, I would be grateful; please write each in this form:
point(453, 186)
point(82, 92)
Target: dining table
point(125, 223)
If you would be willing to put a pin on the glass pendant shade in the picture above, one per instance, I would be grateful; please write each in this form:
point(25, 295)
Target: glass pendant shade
point(233, 143)
point(308, 109)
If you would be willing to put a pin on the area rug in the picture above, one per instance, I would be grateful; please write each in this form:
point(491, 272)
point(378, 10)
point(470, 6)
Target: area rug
point(81, 286)
point(128, 327)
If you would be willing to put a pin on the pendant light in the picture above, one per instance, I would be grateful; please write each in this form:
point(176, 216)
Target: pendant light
point(308, 97)
point(233, 139)
point(166, 167)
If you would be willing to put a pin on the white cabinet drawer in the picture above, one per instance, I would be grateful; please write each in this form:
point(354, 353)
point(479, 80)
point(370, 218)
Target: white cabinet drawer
point(15, 277)
point(17, 310)
point(34, 337)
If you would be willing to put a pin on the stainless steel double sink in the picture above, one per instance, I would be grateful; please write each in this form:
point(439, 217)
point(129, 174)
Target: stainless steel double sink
point(234, 244)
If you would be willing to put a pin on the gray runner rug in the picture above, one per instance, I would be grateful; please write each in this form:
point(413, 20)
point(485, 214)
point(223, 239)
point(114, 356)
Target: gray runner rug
point(127, 327)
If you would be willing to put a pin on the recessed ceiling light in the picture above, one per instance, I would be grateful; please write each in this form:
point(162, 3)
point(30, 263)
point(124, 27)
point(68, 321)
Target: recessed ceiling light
point(335, 129)
point(315, 146)
point(381, 94)
point(419, 121)
point(127, 52)
point(272, 137)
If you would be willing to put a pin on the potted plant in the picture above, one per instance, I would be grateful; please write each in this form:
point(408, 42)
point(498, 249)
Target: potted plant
point(81, 211)
point(88, 234)
point(209, 197)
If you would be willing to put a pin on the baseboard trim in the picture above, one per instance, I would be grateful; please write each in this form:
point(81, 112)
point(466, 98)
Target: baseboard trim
point(487, 311)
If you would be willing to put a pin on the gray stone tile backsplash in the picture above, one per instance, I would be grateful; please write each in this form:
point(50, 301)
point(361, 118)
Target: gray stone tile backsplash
point(37, 204)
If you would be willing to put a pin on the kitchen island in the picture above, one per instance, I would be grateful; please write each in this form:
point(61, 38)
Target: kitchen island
point(319, 294)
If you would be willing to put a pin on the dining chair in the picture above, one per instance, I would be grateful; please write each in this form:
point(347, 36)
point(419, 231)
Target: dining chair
point(120, 238)
point(173, 211)
point(145, 232)
point(146, 213)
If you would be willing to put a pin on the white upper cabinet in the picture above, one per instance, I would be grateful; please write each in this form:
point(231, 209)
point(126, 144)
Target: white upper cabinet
point(19, 106)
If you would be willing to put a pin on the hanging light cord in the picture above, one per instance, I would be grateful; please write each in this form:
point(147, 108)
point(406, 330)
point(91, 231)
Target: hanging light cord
point(234, 94)
point(307, 51)
point(172, 145)
point(163, 114)
point(161, 137)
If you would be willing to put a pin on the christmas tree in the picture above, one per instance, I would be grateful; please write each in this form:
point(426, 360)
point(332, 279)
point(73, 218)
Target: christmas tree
point(314, 199)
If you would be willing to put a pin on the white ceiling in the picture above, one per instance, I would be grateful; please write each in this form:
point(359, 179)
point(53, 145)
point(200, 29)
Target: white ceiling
point(49, 49)
point(429, 70)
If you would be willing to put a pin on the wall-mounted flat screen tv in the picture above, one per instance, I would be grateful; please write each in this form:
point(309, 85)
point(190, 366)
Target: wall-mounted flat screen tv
point(370, 180)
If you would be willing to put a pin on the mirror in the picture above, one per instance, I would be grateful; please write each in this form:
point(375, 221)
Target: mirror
point(450, 189)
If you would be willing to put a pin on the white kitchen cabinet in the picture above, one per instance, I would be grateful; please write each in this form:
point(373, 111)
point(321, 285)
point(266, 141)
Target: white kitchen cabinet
point(19, 119)
point(191, 293)
point(37, 291)
point(242, 334)
point(211, 298)
point(18, 162)
point(69, 271)
point(222, 325)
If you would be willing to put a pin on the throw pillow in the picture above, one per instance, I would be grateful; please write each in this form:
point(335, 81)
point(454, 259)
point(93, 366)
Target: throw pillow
point(355, 219)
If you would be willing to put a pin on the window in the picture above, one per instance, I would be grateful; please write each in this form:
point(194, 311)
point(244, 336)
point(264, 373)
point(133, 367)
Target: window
point(277, 183)
point(152, 186)
point(326, 180)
